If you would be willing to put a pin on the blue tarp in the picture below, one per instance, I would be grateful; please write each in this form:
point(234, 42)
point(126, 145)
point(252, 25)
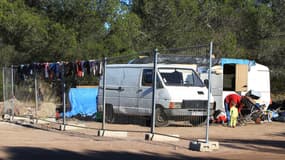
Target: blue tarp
point(83, 101)
point(237, 61)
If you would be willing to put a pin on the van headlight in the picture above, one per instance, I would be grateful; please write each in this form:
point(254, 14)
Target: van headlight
point(173, 105)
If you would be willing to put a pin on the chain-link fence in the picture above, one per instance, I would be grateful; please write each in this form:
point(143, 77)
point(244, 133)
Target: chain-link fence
point(28, 93)
point(136, 100)
point(53, 94)
point(81, 81)
point(157, 92)
point(8, 95)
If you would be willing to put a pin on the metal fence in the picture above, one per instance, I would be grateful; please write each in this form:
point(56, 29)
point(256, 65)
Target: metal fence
point(175, 97)
point(158, 92)
point(28, 94)
point(8, 95)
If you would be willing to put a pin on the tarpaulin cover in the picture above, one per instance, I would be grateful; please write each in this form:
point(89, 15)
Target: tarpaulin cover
point(237, 61)
point(83, 101)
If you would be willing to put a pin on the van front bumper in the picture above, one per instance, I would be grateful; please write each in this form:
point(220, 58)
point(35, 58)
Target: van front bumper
point(191, 108)
point(185, 112)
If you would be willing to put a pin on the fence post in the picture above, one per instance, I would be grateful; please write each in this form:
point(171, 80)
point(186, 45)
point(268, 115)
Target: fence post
point(4, 87)
point(209, 91)
point(103, 94)
point(63, 95)
point(13, 95)
point(154, 89)
point(36, 97)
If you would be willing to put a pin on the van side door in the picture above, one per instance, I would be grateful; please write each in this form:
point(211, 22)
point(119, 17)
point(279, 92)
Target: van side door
point(128, 93)
point(145, 92)
point(114, 78)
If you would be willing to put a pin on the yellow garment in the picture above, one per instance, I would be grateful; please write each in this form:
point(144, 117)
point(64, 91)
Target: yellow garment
point(234, 116)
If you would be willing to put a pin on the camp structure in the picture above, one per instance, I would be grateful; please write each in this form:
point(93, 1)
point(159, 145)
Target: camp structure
point(239, 76)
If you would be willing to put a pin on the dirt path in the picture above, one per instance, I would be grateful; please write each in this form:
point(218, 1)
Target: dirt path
point(265, 141)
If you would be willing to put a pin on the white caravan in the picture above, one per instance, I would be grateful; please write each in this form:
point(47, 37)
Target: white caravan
point(181, 94)
point(239, 76)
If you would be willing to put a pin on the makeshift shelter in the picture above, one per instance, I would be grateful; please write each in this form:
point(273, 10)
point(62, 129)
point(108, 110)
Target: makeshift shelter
point(240, 76)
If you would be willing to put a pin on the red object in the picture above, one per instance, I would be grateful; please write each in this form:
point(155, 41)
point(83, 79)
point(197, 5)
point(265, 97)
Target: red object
point(79, 69)
point(222, 118)
point(57, 115)
point(234, 99)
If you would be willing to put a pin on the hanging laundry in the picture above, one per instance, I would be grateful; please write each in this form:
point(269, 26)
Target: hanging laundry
point(92, 68)
point(57, 70)
point(21, 72)
point(53, 71)
point(100, 68)
point(69, 69)
point(79, 71)
point(86, 65)
point(83, 69)
point(52, 68)
point(46, 65)
point(30, 69)
point(40, 69)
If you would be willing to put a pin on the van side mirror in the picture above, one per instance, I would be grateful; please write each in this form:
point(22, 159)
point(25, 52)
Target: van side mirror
point(206, 82)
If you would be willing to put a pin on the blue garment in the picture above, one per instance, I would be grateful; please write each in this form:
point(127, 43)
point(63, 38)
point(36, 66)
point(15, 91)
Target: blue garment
point(227, 110)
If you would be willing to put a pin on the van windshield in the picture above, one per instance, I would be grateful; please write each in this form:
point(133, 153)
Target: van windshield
point(180, 77)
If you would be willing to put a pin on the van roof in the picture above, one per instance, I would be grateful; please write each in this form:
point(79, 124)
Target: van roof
point(150, 65)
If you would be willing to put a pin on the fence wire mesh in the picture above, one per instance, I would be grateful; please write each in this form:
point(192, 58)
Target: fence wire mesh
point(8, 104)
point(81, 87)
point(29, 93)
point(186, 109)
point(180, 95)
point(122, 110)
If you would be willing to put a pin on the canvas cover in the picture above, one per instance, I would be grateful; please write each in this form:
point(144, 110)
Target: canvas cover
point(82, 101)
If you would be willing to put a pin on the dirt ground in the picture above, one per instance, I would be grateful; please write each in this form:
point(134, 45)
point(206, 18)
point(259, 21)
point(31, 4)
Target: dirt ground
point(253, 141)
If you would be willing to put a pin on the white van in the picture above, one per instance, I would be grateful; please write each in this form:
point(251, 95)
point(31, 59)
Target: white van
point(181, 94)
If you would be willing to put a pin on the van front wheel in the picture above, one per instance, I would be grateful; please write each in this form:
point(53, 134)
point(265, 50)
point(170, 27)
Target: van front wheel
point(161, 119)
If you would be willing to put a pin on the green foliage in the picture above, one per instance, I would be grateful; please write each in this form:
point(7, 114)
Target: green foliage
point(33, 34)
point(168, 23)
point(56, 30)
point(7, 54)
point(49, 30)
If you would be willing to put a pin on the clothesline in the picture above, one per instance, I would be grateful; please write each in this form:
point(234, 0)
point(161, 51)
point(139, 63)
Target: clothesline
point(57, 70)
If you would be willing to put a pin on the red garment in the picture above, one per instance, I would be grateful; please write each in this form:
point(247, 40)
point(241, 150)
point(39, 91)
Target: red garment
point(234, 99)
point(79, 69)
point(222, 118)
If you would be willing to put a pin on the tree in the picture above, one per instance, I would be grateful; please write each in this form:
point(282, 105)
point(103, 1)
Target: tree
point(235, 26)
point(32, 34)
point(167, 23)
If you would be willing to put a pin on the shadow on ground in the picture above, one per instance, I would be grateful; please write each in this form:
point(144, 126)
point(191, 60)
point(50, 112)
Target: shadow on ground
point(260, 145)
point(281, 134)
point(30, 153)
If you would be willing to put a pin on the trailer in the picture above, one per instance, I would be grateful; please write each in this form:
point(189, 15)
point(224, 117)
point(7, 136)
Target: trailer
point(239, 76)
